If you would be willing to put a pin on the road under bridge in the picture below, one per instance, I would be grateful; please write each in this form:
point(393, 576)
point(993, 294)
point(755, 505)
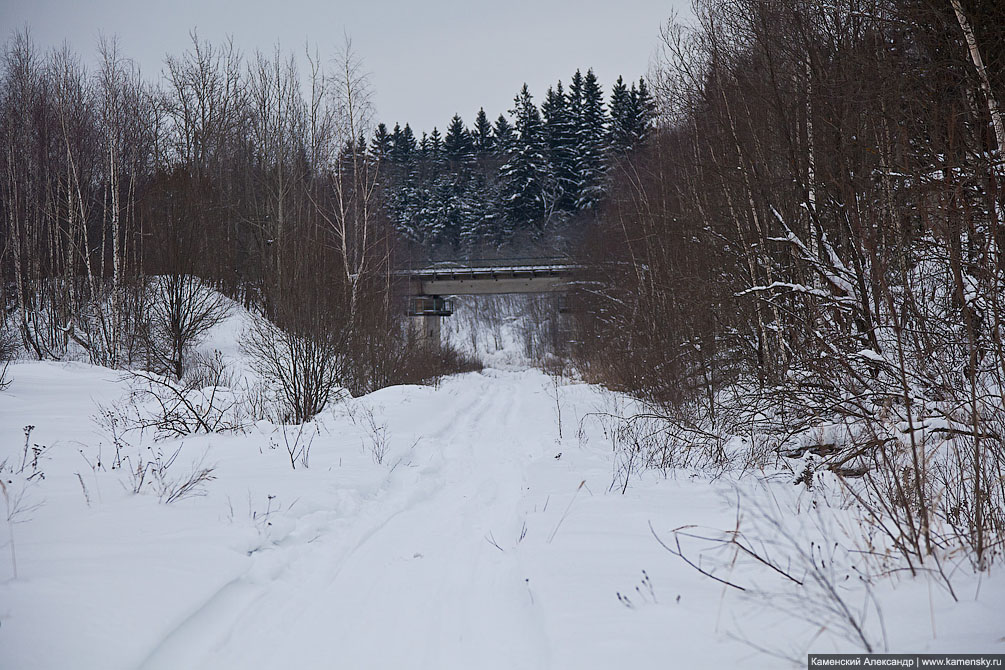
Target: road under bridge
point(430, 288)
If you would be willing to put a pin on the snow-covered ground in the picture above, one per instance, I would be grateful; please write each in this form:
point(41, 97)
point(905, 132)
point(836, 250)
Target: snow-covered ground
point(481, 539)
point(501, 330)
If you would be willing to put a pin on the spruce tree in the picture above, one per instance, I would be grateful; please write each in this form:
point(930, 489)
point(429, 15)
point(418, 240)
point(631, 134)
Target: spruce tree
point(482, 133)
point(645, 111)
point(402, 145)
point(502, 135)
point(560, 137)
point(458, 146)
point(435, 151)
point(590, 143)
point(481, 219)
point(575, 97)
point(443, 216)
point(406, 207)
point(395, 141)
point(634, 116)
point(409, 144)
point(380, 146)
point(523, 175)
point(449, 188)
point(424, 146)
point(621, 131)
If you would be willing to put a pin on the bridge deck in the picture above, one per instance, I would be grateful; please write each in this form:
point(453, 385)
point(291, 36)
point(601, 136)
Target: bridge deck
point(489, 280)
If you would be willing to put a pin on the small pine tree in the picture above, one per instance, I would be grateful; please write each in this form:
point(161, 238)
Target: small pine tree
point(403, 145)
point(621, 132)
point(645, 111)
point(482, 133)
point(435, 151)
point(424, 146)
point(380, 146)
point(503, 136)
point(409, 144)
point(458, 147)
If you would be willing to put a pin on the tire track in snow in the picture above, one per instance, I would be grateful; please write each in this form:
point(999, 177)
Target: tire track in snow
point(416, 584)
point(207, 630)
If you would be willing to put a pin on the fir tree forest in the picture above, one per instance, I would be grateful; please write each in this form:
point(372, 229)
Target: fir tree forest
point(529, 176)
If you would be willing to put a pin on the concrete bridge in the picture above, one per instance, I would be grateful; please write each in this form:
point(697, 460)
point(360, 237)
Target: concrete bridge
point(429, 288)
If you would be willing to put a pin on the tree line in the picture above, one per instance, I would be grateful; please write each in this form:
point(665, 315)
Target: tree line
point(476, 188)
point(133, 210)
point(131, 207)
point(809, 252)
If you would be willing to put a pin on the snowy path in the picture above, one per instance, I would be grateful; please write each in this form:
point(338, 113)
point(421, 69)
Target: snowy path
point(482, 541)
point(418, 569)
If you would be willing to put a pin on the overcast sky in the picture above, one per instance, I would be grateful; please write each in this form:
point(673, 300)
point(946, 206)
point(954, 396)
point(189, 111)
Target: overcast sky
point(428, 58)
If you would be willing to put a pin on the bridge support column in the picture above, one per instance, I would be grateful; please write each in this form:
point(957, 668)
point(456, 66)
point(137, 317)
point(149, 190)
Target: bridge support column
point(425, 312)
point(426, 329)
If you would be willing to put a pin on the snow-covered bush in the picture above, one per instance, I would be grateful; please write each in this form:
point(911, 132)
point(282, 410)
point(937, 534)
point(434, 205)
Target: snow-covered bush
point(168, 408)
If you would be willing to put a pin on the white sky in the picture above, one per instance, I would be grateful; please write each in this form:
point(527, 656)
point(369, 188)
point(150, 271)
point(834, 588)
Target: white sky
point(428, 59)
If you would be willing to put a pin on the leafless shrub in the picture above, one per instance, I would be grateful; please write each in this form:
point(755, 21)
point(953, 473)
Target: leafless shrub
point(642, 440)
point(173, 409)
point(168, 408)
point(258, 401)
point(208, 370)
point(376, 436)
point(179, 310)
point(424, 364)
point(299, 448)
point(155, 471)
point(17, 504)
point(305, 367)
point(8, 350)
point(801, 565)
point(16, 486)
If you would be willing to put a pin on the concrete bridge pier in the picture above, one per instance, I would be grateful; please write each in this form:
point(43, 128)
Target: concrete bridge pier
point(425, 312)
point(426, 329)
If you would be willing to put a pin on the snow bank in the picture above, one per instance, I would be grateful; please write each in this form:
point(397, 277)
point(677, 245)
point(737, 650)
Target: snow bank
point(481, 539)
